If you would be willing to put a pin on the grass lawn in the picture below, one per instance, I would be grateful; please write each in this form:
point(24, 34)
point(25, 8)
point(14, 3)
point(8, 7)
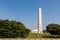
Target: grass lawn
point(35, 35)
point(44, 35)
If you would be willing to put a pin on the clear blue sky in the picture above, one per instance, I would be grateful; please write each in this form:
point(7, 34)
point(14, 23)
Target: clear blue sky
point(26, 11)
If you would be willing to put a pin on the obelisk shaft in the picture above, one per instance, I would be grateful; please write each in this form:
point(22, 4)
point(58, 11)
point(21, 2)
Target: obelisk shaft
point(39, 21)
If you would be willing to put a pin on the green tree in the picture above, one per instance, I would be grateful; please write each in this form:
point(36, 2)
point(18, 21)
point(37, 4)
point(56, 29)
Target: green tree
point(53, 29)
point(12, 29)
point(45, 31)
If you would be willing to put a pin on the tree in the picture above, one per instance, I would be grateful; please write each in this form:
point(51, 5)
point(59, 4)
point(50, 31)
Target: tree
point(53, 29)
point(12, 29)
point(45, 31)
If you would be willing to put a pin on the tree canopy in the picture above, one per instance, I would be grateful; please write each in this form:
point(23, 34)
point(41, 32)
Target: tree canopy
point(12, 29)
point(53, 29)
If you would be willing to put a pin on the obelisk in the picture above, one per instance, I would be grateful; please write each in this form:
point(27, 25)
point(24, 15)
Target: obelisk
point(39, 21)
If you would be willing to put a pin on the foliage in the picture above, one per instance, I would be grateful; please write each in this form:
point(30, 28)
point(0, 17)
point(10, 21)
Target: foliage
point(51, 36)
point(12, 29)
point(36, 35)
point(53, 29)
point(45, 31)
point(44, 35)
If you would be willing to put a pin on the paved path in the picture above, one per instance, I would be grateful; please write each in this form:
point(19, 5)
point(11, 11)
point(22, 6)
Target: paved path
point(29, 39)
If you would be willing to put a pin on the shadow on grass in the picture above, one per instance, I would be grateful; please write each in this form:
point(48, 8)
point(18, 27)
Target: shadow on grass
point(51, 36)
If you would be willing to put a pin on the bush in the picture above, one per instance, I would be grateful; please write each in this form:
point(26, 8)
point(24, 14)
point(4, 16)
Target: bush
point(51, 36)
point(53, 29)
point(12, 29)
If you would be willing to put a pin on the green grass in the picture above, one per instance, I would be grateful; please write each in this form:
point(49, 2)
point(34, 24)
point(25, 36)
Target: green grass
point(45, 35)
point(35, 35)
point(51, 36)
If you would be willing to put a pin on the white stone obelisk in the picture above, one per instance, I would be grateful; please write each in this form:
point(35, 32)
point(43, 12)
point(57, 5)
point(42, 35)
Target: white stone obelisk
point(39, 21)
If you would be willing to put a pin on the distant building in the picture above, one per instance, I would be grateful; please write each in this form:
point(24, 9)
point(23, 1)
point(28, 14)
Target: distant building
point(34, 31)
